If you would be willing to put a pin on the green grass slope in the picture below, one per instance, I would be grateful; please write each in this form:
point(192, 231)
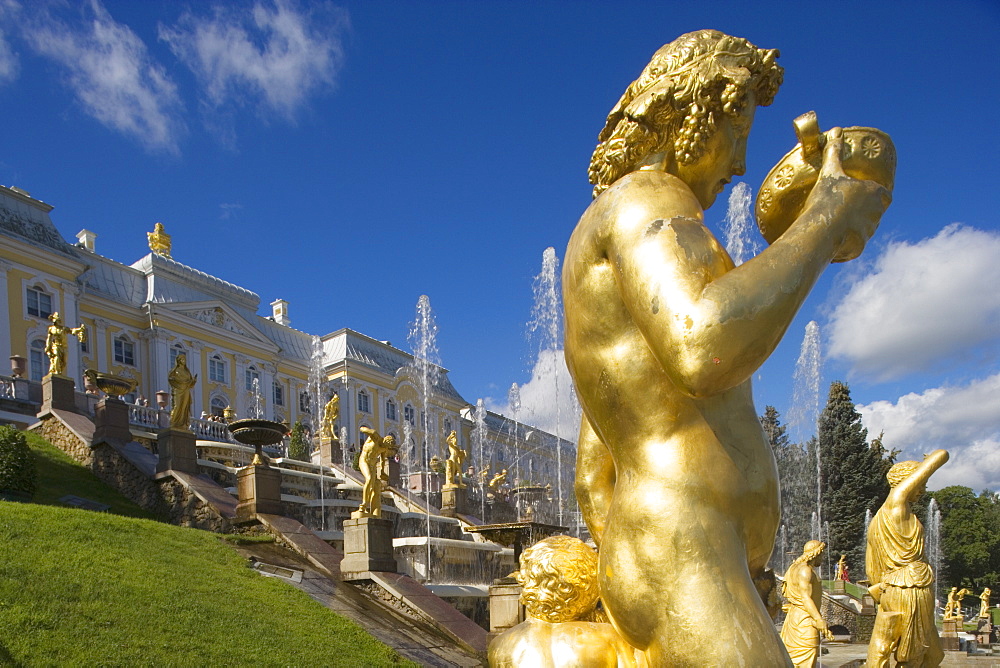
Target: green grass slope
point(79, 588)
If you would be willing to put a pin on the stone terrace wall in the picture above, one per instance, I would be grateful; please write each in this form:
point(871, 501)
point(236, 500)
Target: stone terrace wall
point(58, 434)
point(187, 510)
point(113, 469)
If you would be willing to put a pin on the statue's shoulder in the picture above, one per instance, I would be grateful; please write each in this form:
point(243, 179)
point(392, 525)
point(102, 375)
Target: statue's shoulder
point(643, 196)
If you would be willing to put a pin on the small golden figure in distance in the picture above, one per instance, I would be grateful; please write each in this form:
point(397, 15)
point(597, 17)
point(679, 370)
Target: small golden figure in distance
point(484, 475)
point(181, 382)
point(953, 608)
point(902, 580)
point(663, 335)
point(330, 414)
point(55, 343)
point(984, 606)
point(159, 240)
point(373, 454)
point(391, 450)
point(804, 623)
point(558, 576)
point(842, 571)
point(453, 466)
point(499, 480)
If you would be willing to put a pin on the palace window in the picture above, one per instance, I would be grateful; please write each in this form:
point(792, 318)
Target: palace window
point(175, 350)
point(363, 404)
point(38, 360)
point(217, 369)
point(124, 351)
point(409, 414)
point(251, 375)
point(218, 406)
point(447, 427)
point(39, 303)
point(304, 402)
point(279, 394)
point(390, 410)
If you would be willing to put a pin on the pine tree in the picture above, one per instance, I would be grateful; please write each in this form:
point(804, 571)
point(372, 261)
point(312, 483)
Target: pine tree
point(797, 487)
point(298, 442)
point(852, 477)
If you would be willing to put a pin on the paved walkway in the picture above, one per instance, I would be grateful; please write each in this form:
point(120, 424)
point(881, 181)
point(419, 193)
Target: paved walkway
point(843, 655)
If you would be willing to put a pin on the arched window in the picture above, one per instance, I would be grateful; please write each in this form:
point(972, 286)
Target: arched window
point(447, 427)
point(251, 375)
point(278, 393)
point(217, 369)
point(363, 402)
point(39, 302)
point(409, 414)
point(124, 350)
point(390, 409)
point(38, 360)
point(175, 350)
point(218, 406)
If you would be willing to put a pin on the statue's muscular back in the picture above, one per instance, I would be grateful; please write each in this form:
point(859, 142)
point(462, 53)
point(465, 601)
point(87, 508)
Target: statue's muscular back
point(694, 474)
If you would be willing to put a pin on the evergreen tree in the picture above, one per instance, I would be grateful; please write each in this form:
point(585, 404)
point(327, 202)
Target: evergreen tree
point(852, 477)
point(797, 493)
point(298, 442)
point(970, 538)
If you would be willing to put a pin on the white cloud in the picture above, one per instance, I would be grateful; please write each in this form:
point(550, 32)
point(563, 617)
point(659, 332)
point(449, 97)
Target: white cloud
point(548, 400)
point(923, 304)
point(113, 76)
point(276, 52)
point(963, 420)
point(9, 65)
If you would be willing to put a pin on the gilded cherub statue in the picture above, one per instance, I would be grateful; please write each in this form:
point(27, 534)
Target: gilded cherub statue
point(55, 343)
point(453, 466)
point(663, 334)
point(558, 576)
point(159, 240)
point(373, 454)
point(331, 411)
point(984, 600)
point(804, 622)
point(181, 383)
point(902, 580)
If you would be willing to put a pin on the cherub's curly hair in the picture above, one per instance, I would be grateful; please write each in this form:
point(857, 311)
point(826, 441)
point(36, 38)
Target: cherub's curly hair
point(559, 579)
point(900, 471)
point(811, 550)
point(677, 99)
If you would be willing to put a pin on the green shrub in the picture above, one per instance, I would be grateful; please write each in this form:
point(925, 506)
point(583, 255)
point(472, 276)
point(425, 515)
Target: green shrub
point(17, 464)
point(298, 443)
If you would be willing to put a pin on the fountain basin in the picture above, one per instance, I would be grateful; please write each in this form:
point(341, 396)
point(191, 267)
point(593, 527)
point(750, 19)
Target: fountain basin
point(110, 384)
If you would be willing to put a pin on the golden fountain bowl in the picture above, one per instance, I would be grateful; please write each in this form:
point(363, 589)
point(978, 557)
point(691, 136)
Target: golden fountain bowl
point(868, 154)
point(110, 384)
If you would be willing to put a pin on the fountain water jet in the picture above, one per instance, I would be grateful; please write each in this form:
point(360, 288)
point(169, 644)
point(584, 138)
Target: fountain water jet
point(933, 550)
point(739, 225)
point(423, 341)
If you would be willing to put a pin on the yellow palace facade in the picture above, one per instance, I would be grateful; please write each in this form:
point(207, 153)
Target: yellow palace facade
point(140, 316)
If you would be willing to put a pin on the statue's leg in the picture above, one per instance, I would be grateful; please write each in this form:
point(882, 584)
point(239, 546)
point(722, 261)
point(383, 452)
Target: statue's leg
point(676, 584)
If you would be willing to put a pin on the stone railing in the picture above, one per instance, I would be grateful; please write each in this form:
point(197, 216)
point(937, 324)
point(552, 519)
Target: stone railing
point(211, 431)
point(147, 416)
point(13, 388)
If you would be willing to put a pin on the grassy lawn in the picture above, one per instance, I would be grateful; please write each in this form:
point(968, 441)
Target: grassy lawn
point(59, 475)
point(96, 589)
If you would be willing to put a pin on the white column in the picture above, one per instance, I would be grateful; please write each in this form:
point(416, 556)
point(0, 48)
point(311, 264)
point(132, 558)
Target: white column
point(161, 364)
point(5, 351)
point(267, 371)
point(101, 344)
point(240, 385)
point(194, 364)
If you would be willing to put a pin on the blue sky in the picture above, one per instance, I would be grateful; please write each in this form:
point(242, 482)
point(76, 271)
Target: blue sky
point(349, 157)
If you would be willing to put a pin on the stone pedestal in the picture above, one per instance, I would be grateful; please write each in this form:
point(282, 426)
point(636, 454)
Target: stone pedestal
point(984, 631)
point(329, 451)
point(259, 491)
point(839, 587)
point(59, 392)
point(505, 605)
point(177, 451)
point(367, 547)
point(949, 635)
point(454, 501)
point(867, 605)
point(111, 421)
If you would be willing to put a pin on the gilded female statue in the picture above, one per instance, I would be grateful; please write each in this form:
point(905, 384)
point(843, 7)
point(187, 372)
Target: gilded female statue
point(330, 414)
point(373, 452)
point(181, 382)
point(55, 343)
point(663, 333)
point(453, 465)
point(804, 623)
point(902, 580)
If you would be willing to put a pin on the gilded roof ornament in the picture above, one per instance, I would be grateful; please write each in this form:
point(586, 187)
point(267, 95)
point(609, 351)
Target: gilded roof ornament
point(159, 240)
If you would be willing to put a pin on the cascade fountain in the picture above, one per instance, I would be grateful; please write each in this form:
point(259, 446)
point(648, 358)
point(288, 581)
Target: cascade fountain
point(804, 415)
point(479, 440)
point(739, 226)
point(423, 341)
point(933, 545)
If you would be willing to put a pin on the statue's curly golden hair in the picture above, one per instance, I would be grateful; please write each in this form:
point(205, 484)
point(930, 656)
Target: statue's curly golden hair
point(811, 550)
point(559, 579)
point(900, 471)
point(678, 98)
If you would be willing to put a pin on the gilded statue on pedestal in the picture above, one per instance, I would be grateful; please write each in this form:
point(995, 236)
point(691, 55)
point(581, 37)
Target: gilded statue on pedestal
point(803, 622)
point(159, 240)
point(330, 414)
point(953, 608)
point(374, 454)
point(902, 580)
point(55, 343)
point(663, 333)
point(181, 382)
point(558, 576)
point(842, 572)
point(984, 600)
point(453, 466)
